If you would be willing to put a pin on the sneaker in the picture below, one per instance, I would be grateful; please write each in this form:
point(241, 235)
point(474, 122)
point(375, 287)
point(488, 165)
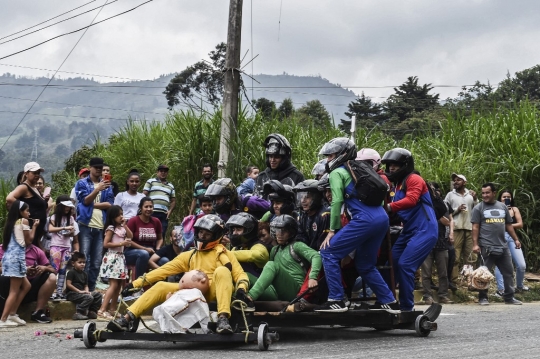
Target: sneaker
point(118, 325)
point(40, 317)
point(483, 301)
point(513, 301)
point(499, 293)
point(8, 324)
point(522, 289)
point(57, 297)
point(15, 318)
point(392, 307)
point(79, 316)
point(92, 315)
point(445, 300)
point(428, 301)
point(333, 306)
point(223, 326)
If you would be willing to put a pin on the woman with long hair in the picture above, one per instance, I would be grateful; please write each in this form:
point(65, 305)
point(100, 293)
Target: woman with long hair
point(129, 199)
point(506, 197)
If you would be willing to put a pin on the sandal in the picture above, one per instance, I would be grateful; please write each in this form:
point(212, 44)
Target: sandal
point(114, 315)
point(104, 315)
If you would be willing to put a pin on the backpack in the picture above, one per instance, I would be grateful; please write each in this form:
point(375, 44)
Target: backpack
point(370, 187)
point(439, 206)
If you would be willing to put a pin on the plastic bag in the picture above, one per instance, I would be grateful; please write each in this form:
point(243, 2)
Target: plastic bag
point(481, 278)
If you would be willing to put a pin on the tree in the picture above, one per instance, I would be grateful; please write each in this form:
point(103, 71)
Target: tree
point(526, 84)
point(265, 107)
point(368, 114)
point(202, 79)
point(314, 112)
point(286, 109)
point(410, 98)
point(477, 97)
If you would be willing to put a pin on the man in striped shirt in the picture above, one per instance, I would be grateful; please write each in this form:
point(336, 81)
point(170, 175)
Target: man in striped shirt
point(162, 193)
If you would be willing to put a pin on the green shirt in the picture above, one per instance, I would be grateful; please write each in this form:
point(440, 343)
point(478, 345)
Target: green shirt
point(339, 180)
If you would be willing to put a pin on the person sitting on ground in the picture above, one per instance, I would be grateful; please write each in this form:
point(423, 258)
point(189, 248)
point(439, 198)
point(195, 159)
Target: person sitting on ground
point(287, 268)
point(87, 303)
point(281, 200)
point(248, 186)
point(211, 257)
point(185, 307)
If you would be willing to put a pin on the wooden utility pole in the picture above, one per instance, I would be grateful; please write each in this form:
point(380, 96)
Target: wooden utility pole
point(231, 86)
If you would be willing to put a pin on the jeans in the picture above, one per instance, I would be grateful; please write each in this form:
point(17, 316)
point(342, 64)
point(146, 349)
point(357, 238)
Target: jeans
point(519, 262)
point(91, 245)
point(164, 222)
point(504, 262)
point(85, 302)
point(162, 261)
point(139, 258)
point(441, 260)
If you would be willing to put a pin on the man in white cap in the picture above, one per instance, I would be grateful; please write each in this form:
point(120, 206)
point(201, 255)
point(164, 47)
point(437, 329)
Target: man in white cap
point(462, 201)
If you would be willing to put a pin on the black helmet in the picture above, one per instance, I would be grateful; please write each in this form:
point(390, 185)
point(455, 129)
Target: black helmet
point(305, 187)
point(211, 223)
point(402, 157)
point(319, 169)
point(250, 225)
point(284, 222)
point(324, 183)
point(344, 149)
point(276, 144)
point(281, 193)
point(222, 187)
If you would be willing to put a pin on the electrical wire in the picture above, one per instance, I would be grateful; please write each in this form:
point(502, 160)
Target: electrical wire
point(56, 23)
point(52, 18)
point(85, 117)
point(75, 31)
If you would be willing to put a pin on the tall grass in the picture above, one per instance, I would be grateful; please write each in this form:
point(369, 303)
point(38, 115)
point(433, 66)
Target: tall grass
point(5, 188)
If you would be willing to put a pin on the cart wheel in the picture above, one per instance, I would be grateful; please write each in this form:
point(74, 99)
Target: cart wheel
point(419, 326)
point(262, 337)
point(88, 335)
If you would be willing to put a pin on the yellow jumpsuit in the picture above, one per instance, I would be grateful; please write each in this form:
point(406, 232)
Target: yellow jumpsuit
point(219, 264)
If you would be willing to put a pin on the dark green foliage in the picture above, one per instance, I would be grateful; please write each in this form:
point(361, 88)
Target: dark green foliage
point(265, 108)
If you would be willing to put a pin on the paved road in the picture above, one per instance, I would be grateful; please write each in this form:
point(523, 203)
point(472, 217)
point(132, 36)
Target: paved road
point(465, 331)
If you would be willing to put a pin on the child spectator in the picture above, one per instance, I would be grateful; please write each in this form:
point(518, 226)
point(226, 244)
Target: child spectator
point(248, 186)
point(87, 303)
point(206, 206)
point(113, 266)
point(61, 228)
point(17, 236)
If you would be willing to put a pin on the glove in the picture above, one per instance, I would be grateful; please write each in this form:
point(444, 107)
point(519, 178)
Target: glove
point(127, 290)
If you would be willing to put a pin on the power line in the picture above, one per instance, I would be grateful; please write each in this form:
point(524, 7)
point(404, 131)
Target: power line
point(72, 32)
point(56, 23)
point(44, 88)
point(52, 18)
point(56, 115)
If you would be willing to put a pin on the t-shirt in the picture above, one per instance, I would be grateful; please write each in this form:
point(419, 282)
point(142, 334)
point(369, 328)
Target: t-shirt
point(33, 255)
point(200, 189)
point(129, 203)
point(57, 238)
point(78, 279)
point(18, 232)
point(161, 193)
point(492, 218)
point(119, 235)
point(96, 221)
point(145, 234)
point(167, 252)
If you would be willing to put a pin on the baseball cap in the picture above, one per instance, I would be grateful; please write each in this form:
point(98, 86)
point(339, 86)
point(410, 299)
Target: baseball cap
point(96, 162)
point(163, 167)
point(68, 204)
point(32, 167)
point(454, 176)
point(83, 170)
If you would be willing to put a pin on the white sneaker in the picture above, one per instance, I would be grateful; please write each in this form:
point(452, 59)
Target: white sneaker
point(8, 324)
point(15, 318)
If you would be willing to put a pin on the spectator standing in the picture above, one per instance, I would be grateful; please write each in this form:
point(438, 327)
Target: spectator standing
point(130, 199)
point(45, 193)
point(95, 196)
point(489, 220)
point(83, 173)
point(462, 201)
point(107, 172)
point(28, 193)
point(201, 187)
point(163, 196)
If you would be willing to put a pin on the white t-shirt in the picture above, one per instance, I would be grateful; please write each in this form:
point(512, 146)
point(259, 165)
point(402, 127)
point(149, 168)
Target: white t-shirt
point(129, 203)
point(18, 232)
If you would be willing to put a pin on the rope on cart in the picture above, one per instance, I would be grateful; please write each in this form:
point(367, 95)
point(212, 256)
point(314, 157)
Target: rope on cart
point(243, 305)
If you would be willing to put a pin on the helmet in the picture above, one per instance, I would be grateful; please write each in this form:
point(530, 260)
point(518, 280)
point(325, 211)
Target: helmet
point(303, 188)
point(284, 222)
point(222, 187)
point(402, 157)
point(281, 193)
point(319, 169)
point(369, 154)
point(211, 223)
point(344, 149)
point(250, 225)
point(324, 183)
point(276, 144)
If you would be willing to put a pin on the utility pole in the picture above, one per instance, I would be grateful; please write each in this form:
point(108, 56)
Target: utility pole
point(231, 86)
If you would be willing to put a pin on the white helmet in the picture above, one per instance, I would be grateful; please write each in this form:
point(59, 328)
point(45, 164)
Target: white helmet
point(369, 154)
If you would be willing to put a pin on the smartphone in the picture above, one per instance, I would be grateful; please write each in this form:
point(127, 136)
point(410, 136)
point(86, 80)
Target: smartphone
point(507, 202)
point(107, 177)
point(47, 191)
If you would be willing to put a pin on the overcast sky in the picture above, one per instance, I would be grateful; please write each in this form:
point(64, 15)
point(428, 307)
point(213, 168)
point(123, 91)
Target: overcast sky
point(353, 43)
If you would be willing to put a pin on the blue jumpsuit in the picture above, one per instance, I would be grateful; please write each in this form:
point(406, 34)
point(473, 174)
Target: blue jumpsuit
point(364, 233)
point(416, 240)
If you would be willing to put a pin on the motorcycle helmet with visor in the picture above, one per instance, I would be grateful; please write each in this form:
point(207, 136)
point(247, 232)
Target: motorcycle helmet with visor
point(343, 150)
point(208, 232)
point(249, 225)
